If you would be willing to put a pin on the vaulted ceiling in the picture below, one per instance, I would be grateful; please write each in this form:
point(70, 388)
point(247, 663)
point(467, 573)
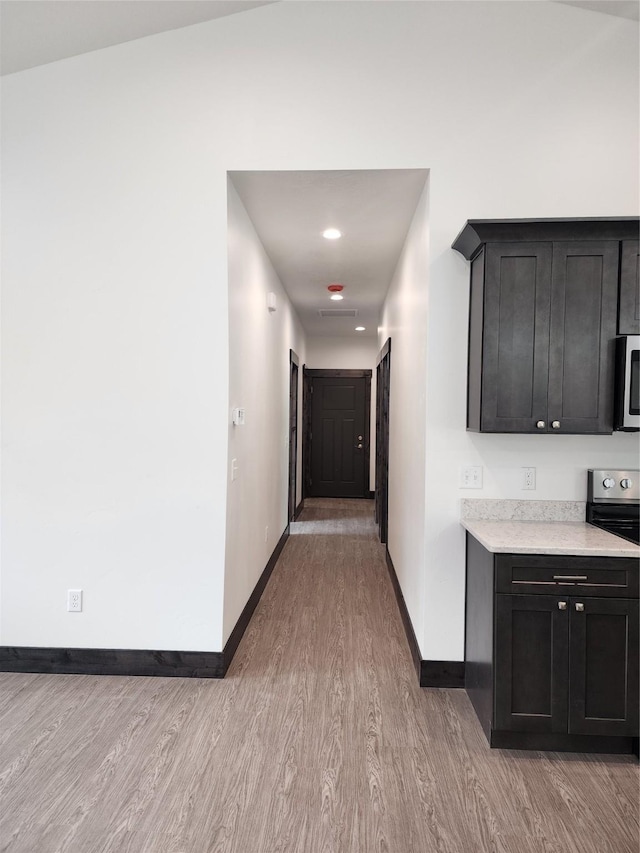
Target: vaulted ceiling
point(35, 32)
point(289, 210)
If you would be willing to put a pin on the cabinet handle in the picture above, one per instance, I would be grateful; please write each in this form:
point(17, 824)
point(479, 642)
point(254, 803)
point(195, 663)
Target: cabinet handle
point(555, 424)
point(569, 577)
point(562, 605)
point(541, 425)
point(579, 606)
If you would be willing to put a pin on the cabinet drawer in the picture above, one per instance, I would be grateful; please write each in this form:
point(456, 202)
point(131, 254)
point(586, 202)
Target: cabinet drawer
point(586, 576)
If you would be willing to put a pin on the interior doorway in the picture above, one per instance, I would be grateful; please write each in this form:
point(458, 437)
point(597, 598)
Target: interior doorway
point(294, 366)
point(383, 380)
point(336, 440)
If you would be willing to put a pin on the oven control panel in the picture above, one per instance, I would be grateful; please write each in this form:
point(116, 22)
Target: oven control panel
point(605, 485)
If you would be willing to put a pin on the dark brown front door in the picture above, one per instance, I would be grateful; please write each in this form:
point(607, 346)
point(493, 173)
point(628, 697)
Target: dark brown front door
point(339, 434)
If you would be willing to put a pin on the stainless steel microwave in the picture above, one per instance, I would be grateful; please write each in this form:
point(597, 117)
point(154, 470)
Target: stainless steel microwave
point(627, 415)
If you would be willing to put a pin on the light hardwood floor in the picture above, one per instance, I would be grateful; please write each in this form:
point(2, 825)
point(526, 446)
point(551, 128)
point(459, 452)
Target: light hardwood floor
point(319, 740)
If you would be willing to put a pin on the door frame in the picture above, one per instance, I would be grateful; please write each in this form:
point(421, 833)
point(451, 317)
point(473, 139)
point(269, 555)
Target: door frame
point(294, 391)
point(308, 375)
point(383, 413)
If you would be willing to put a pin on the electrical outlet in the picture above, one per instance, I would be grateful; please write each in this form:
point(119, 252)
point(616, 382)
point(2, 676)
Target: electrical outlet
point(74, 600)
point(528, 478)
point(471, 477)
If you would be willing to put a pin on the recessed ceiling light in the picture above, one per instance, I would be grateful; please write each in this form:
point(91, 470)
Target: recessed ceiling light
point(336, 297)
point(360, 329)
point(331, 234)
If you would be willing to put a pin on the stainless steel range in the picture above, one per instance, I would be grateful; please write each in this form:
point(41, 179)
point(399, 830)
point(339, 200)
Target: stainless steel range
point(613, 502)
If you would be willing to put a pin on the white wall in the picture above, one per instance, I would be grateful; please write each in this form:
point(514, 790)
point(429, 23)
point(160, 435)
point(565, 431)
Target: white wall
point(115, 320)
point(404, 320)
point(259, 344)
point(114, 360)
point(336, 353)
point(357, 353)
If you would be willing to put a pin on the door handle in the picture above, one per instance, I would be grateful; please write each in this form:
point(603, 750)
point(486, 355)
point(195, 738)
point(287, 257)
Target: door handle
point(358, 447)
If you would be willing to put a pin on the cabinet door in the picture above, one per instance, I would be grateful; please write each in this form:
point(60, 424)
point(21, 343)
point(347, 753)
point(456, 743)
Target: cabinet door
point(603, 691)
point(629, 310)
point(515, 336)
point(584, 298)
point(531, 663)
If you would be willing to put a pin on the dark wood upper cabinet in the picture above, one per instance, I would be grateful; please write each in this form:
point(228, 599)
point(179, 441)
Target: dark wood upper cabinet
point(629, 309)
point(584, 305)
point(543, 317)
point(509, 358)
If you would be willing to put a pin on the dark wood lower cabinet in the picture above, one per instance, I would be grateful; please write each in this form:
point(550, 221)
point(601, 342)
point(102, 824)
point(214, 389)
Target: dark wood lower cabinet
point(603, 666)
point(553, 671)
point(566, 665)
point(531, 664)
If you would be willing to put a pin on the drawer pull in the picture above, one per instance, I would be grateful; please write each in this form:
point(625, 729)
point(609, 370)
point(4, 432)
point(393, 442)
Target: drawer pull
point(579, 606)
point(570, 577)
point(535, 583)
point(562, 605)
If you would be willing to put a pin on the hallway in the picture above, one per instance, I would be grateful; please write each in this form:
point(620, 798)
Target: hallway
point(319, 739)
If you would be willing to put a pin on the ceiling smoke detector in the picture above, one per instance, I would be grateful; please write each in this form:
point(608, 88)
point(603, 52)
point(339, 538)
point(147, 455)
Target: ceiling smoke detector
point(334, 290)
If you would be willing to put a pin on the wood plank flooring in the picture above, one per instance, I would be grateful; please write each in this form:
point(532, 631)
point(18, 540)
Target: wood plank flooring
point(319, 740)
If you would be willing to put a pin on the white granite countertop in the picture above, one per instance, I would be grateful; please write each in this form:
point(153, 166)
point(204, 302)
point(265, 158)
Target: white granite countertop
point(491, 509)
point(575, 538)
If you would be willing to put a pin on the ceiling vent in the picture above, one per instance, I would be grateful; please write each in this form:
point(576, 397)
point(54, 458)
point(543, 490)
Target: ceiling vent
point(338, 312)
